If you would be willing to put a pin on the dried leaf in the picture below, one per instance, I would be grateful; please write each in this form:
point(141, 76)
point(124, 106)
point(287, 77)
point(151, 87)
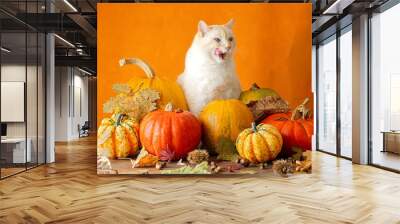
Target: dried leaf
point(269, 105)
point(167, 155)
point(201, 168)
point(145, 159)
point(121, 88)
point(303, 166)
point(226, 149)
point(136, 103)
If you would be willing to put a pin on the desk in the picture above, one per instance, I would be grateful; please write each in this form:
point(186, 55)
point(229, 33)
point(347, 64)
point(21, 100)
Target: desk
point(13, 150)
point(391, 141)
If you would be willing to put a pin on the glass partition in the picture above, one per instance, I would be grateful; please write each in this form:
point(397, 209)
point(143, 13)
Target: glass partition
point(14, 153)
point(23, 90)
point(327, 95)
point(385, 89)
point(346, 93)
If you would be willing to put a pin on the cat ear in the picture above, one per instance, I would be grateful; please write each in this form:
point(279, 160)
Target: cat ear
point(230, 23)
point(203, 28)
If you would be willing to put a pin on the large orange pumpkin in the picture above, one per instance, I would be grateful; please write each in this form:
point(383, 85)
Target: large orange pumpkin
point(259, 143)
point(296, 131)
point(170, 91)
point(223, 120)
point(170, 133)
point(118, 136)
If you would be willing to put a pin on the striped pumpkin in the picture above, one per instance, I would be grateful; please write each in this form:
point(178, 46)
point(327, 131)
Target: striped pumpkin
point(259, 143)
point(118, 136)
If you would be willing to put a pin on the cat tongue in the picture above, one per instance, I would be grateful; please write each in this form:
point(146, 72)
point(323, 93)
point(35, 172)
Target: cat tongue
point(220, 53)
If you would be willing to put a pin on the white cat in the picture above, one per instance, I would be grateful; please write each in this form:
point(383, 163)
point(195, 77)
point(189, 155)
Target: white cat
point(210, 71)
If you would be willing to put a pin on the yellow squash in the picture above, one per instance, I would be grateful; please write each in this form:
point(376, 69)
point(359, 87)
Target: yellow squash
point(259, 143)
point(169, 91)
point(118, 137)
point(223, 120)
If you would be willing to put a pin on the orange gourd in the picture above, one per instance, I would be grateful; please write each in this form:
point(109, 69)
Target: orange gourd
point(118, 136)
point(259, 143)
point(168, 132)
point(296, 131)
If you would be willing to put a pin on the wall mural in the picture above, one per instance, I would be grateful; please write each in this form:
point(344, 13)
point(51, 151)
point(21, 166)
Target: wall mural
point(204, 88)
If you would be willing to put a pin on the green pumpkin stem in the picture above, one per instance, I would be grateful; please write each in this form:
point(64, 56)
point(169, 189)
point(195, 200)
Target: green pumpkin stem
point(254, 126)
point(254, 86)
point(119, 119)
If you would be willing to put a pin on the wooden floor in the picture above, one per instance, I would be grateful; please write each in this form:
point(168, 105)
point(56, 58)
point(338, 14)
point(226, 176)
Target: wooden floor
point(69, 191)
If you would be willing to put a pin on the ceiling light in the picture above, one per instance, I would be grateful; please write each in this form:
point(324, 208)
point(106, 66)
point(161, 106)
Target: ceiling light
point(5, 50)
point(70, 5)
point(64, 40)
point(84, 71)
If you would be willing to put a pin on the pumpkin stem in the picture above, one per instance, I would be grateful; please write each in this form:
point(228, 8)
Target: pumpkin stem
point(169, 107)
point(136, 61)
point(254, 126)
point(254, 86)
point(119, 119)
point(301, 110)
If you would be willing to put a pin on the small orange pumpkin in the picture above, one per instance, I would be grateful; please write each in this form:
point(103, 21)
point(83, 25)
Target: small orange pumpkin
point(259, 143)
point(170, 133)
point(296, 131)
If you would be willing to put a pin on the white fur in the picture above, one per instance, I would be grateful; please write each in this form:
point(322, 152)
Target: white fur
point(207, 76)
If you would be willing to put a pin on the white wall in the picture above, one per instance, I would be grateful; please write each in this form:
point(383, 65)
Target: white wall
point(71, 93)
point(34, 125)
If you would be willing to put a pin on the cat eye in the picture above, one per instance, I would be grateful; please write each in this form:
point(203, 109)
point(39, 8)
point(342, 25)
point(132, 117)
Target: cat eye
point(217, 40)
point(230, 39)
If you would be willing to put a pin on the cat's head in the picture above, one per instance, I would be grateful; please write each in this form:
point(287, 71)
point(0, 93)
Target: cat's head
point(217, 41)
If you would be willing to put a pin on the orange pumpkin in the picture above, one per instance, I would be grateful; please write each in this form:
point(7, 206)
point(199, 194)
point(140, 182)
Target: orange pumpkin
point(259, 143)
point(222, 121)
point(296, 131)
point(170, 91)
point(170, 133)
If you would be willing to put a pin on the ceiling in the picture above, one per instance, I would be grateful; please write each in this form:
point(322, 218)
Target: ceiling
point(75, 23)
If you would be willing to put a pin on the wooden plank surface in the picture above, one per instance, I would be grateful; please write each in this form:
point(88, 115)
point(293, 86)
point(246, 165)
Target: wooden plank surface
point(70, 191)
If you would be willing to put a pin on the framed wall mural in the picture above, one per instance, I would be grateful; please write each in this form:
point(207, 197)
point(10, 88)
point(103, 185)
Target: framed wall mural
point(204, 88)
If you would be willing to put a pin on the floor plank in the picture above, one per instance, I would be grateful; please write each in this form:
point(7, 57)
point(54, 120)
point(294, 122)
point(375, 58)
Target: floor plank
point(69, 191)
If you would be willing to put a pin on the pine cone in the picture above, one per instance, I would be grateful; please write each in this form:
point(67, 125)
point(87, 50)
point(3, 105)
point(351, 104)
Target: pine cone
point(283, 167)
point(197, 156)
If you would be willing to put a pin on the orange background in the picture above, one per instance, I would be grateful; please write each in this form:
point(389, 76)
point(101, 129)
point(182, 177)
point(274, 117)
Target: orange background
point(273, 43)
